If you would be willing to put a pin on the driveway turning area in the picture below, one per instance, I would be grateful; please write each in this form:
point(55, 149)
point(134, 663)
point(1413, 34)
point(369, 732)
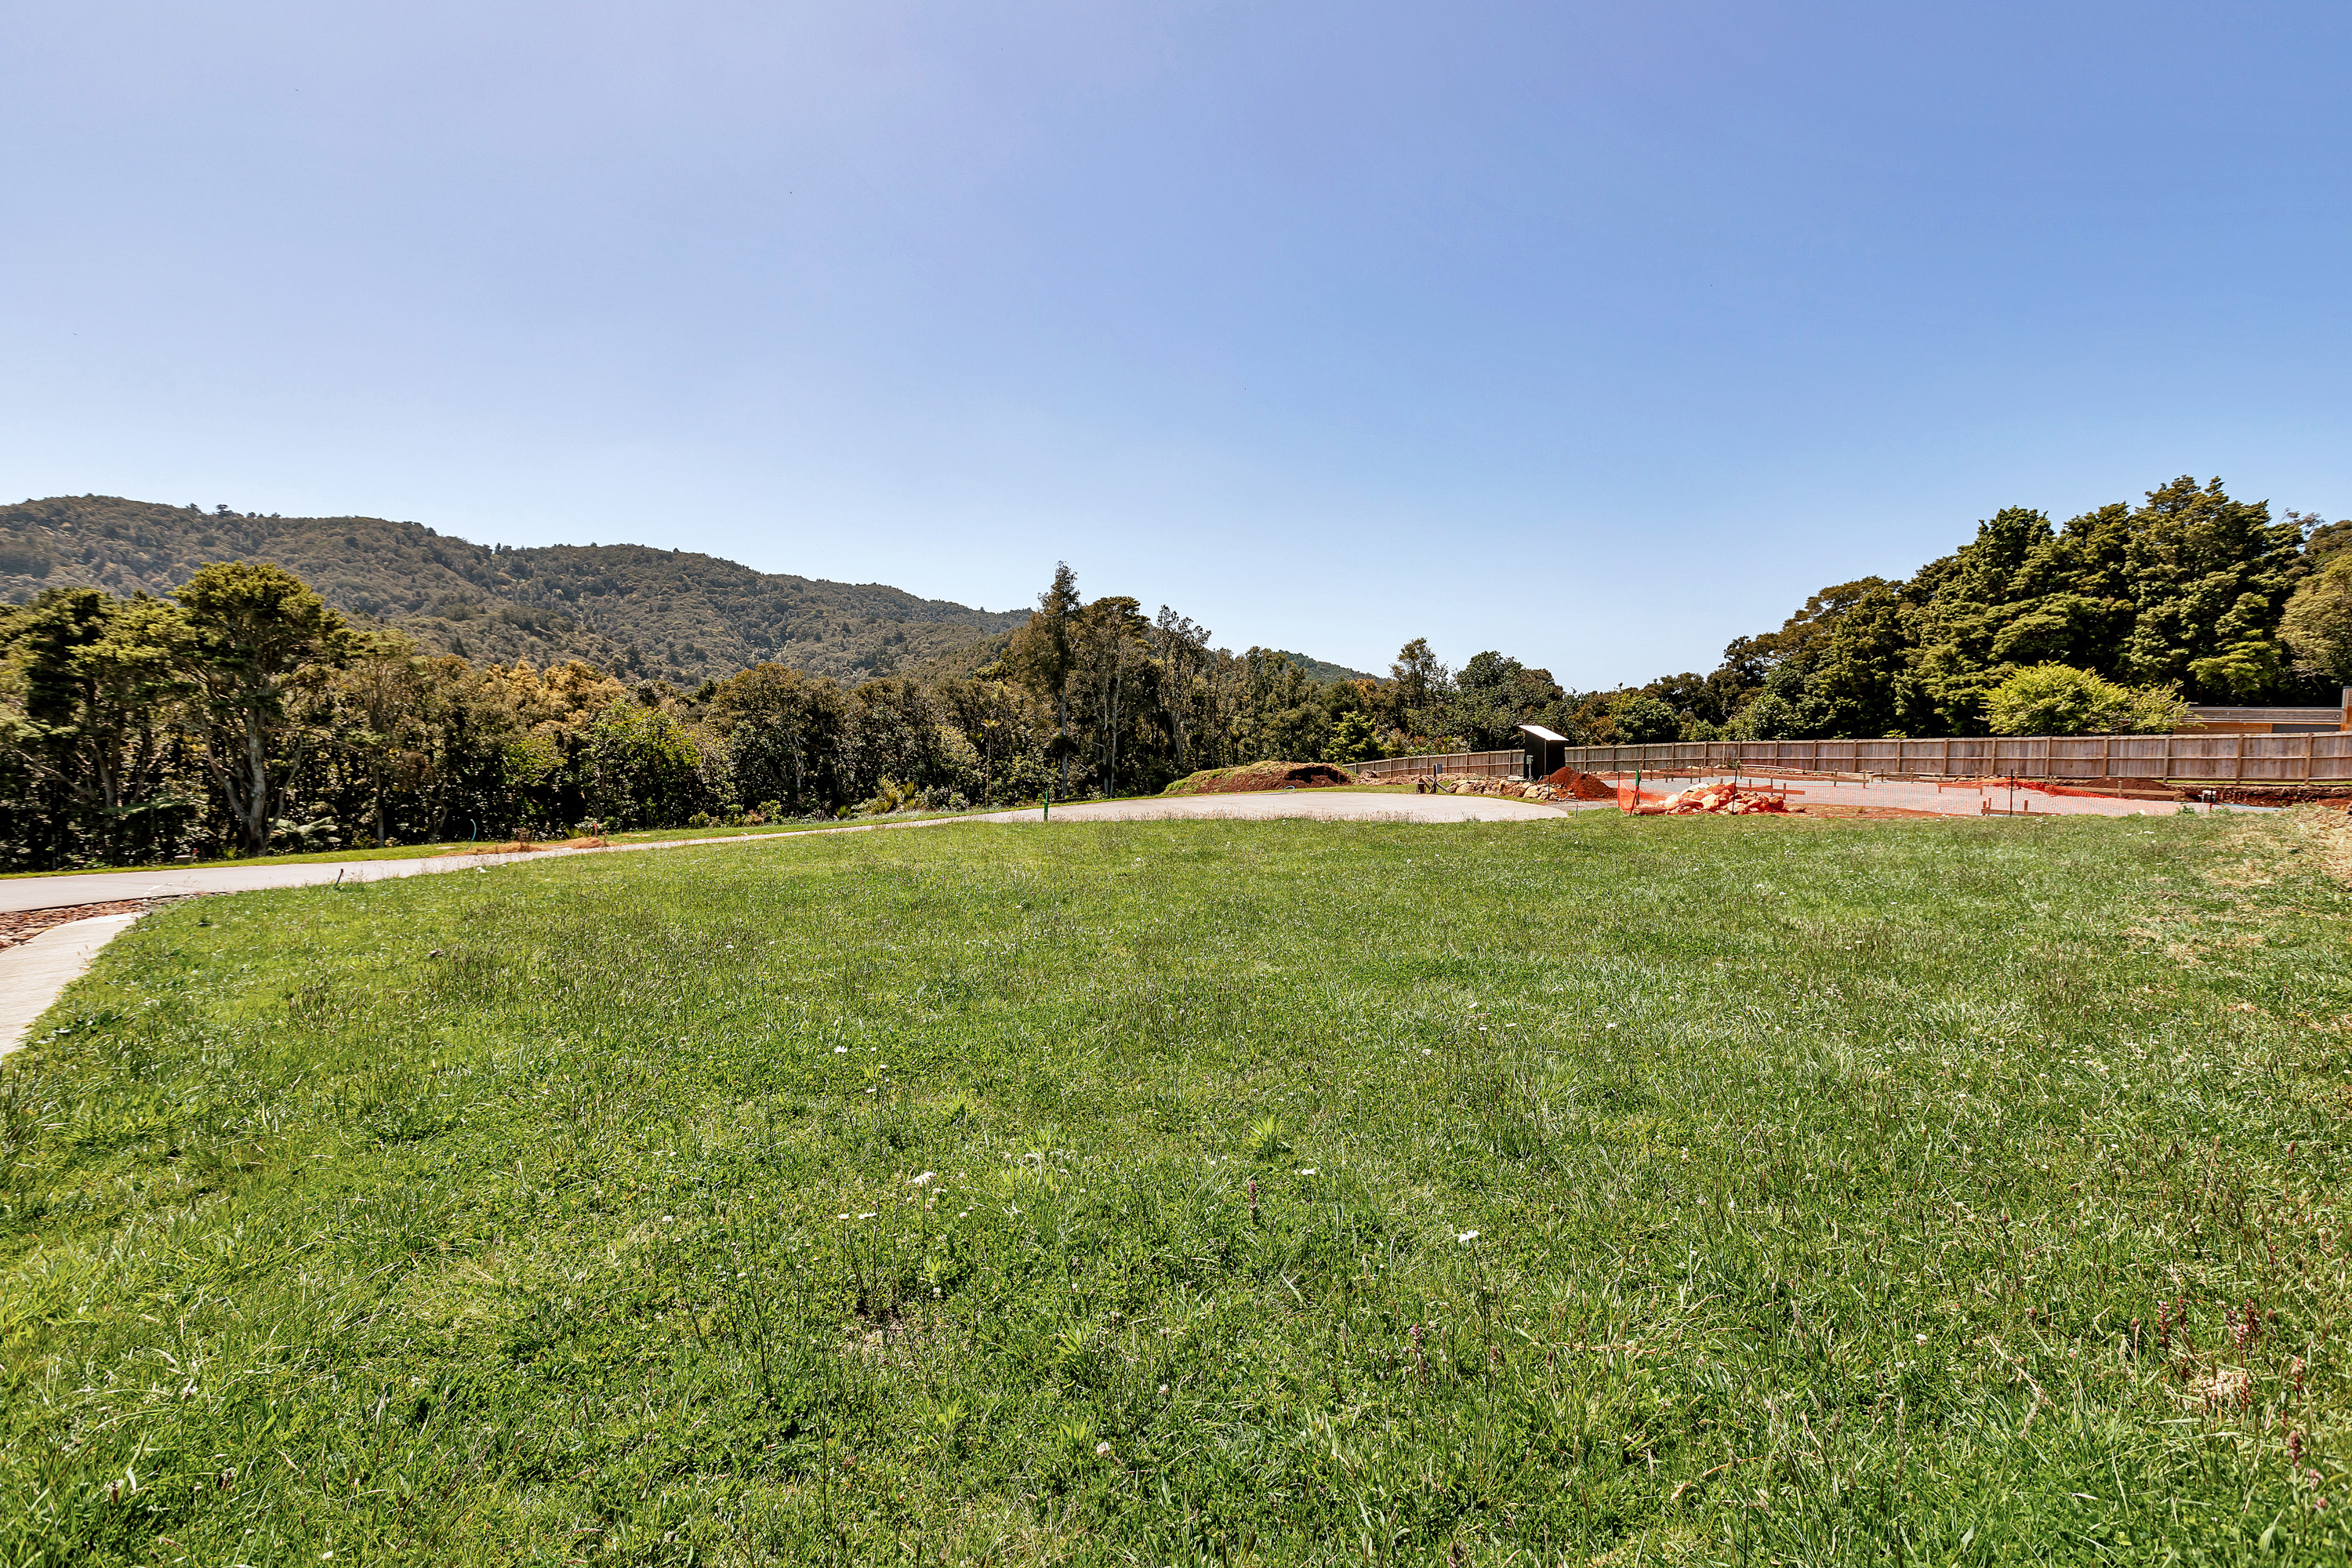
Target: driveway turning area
point(34, 973)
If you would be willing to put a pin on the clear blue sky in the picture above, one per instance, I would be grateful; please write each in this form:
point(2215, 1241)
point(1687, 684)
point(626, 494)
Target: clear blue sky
point(1596, 333)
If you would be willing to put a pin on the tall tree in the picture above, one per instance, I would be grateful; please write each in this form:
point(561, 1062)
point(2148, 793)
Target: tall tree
point(253, 630)
point(1044, 653)
point(2317, 625)
point(1494, 695)
point(382, 684)
point(1112, 661)
point(99, 696)
point(1421, 685)
point(783, 733)
point(1183, 649)
point(1281, 717)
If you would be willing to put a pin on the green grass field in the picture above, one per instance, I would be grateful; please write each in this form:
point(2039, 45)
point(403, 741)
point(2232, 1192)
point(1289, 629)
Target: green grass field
point(1639, 1191)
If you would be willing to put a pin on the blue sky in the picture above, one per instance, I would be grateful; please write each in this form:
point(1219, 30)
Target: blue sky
point(1597, 334)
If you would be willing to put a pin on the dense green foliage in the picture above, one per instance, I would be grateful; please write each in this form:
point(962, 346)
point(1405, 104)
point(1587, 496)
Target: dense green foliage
point(2060, 700)
point(2190, 597)
point(243, 715)
point(107, 753)
point(640, 612)
point(2186, 591)
point(1599, 1189)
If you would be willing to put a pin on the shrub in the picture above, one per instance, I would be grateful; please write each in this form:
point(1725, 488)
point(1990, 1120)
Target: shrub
point(1353, 739)
point(2059, 700)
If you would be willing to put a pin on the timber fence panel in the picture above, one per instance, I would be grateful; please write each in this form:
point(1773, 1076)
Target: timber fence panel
point(2191, 758)
point(2277, 757)
point(1454, 764)
point(2204, 757)
point(2141, 757)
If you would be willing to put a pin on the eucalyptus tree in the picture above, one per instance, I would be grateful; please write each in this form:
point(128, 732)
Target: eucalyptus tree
point(1114, 640)
point(1044, 655)
point(1181, 647)
point(253, 633)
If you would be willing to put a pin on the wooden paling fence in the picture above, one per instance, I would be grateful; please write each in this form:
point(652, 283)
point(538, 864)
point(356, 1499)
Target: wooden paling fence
point(2229, 759)
point(1452, 764)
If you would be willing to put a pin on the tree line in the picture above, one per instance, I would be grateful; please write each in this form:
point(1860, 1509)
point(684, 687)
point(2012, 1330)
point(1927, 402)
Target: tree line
point(239, 715)
point(2112, 620)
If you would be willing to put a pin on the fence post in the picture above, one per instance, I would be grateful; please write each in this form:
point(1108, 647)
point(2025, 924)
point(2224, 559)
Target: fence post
point(2238, 761)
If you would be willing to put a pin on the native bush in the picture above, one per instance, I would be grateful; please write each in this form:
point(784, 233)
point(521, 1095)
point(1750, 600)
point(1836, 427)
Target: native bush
point(2059, 700)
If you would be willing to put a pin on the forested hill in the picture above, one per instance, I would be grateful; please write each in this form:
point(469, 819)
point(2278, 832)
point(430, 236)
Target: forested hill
point(630, 608)
point(1322, 671)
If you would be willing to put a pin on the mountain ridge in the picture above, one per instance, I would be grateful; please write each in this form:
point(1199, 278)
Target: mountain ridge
point(636, 609)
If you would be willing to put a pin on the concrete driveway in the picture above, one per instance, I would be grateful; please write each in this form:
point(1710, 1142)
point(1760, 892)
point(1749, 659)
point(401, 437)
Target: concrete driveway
point(1321, 804)
point(164, 882)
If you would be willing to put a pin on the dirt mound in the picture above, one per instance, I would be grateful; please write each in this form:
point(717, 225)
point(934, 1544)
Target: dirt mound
point(1252, 778)
point(1581, 786)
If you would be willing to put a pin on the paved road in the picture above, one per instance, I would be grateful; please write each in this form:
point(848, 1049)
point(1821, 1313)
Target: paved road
point(106, 887)
point(164, 882)
point(1323, 805)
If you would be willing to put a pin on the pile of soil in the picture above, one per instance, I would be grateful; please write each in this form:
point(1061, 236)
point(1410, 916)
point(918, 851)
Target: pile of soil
point(1252, 778)
point(1577, 786)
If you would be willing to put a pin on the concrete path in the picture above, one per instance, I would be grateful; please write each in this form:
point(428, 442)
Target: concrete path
point(33, 973)
point(161, 882)
point(165, 882)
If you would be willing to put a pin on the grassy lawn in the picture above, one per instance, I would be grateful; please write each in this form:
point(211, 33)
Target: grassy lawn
point(1654, 1191)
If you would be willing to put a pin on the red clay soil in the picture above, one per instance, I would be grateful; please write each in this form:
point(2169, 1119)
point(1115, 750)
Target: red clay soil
point(1581, 786)
point(1257, 776)
point(2274, 794)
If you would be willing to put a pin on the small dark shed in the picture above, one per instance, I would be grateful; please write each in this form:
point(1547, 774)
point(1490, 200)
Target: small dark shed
point(1546, 752)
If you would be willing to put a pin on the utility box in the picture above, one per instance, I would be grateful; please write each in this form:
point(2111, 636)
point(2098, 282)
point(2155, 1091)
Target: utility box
point(1546, 752)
